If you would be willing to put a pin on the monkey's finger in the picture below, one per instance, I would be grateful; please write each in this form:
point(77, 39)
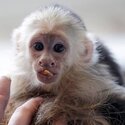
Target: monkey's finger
point(4, 94)
point(23, 114)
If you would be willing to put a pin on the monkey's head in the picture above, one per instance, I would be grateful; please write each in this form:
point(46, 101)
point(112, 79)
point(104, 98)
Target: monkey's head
point(49, 42)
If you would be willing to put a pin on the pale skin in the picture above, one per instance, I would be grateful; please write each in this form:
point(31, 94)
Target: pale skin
point(23, 113)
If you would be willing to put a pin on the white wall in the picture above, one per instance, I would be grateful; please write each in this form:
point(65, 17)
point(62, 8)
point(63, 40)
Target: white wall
point(5, 56)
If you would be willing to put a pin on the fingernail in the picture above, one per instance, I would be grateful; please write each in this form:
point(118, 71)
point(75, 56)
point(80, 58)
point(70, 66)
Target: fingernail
point(5, 79)
point(39, 100)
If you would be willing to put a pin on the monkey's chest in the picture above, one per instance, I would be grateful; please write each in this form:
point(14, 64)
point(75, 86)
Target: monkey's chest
point(74, 111)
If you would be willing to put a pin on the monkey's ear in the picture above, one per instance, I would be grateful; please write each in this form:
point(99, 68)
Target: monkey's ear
point(16, 35)
point(89, 49)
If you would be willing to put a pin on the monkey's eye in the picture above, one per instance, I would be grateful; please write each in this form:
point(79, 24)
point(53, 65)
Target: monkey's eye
point(59, 48)
point(38, 46)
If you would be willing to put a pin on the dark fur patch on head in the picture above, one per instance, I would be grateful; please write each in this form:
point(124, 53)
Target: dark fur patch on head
point(106, 58)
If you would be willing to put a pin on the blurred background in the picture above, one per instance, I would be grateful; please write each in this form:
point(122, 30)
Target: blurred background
point(104, 18)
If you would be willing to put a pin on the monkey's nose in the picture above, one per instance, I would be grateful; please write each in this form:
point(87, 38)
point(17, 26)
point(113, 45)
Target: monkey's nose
point(47, 64)
point(52, 64)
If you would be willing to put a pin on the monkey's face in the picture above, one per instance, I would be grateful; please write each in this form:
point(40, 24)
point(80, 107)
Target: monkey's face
point(48, 54)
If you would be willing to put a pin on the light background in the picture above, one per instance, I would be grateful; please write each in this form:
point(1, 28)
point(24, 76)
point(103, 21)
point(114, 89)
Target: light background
point(105, 18)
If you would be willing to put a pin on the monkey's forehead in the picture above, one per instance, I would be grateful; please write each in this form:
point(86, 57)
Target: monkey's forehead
point(64, 9)
point(55, 14)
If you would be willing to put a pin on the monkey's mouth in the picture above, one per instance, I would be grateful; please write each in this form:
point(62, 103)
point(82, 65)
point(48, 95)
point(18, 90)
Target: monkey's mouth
point(46, 76)
point(47, 73)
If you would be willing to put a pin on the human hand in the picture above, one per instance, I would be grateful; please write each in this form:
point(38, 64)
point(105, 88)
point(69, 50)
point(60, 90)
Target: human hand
point(23, 114)
point(4, 94)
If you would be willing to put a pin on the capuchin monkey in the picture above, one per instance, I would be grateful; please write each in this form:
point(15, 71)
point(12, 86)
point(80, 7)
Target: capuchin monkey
point(56, 58)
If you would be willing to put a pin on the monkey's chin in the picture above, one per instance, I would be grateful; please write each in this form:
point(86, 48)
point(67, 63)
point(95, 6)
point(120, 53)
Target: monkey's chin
point(47, 79)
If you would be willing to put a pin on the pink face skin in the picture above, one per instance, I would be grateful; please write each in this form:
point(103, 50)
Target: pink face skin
point(48, 52)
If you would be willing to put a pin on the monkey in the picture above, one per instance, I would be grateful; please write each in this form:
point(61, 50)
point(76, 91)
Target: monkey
point(56, 59)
